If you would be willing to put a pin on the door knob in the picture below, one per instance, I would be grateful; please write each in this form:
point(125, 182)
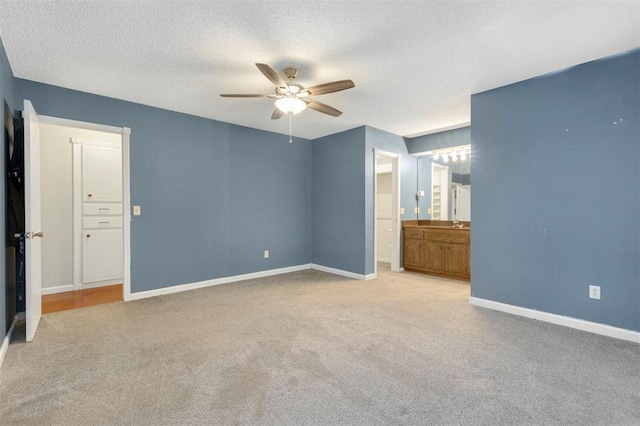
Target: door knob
point(33, 234)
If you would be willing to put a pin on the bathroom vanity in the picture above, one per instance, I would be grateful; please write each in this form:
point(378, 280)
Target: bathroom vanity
point(437, 247)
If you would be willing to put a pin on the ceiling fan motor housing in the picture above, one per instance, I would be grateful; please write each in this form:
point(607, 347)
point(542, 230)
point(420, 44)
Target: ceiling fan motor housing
point(291, 72)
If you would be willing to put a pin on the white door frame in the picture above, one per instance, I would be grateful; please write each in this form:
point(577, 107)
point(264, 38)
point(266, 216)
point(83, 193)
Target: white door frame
point(125, 132)
point(445, 189)
point(395, 209)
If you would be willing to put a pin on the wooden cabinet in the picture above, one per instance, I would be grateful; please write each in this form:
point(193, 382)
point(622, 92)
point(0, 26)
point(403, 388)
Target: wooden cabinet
point(437, 250)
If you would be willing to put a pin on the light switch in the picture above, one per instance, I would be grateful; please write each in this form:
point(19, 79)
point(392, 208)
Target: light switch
point(136, 210)
point(401, 210)
point(429, 210)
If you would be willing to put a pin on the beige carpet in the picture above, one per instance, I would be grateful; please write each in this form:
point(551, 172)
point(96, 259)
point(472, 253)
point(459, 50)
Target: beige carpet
point(311, 348)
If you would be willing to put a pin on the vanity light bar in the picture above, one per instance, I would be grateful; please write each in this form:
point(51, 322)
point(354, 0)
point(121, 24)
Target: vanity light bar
point(461, 152)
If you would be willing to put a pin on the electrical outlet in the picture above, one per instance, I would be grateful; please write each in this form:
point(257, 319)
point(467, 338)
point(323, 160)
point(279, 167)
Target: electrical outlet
point(266, 254)
point(594, 292)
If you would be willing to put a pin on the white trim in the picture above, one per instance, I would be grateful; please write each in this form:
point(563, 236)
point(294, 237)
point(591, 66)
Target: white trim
point(441, 129)
point(57, 289)
point(77, 214)
point(126, 212)
point(79, 124)
point(7, 339)
point(108, 144)
point(98, 284)
point(592, 327)
point(395, 209)
point(216, 281)
point(347, 274)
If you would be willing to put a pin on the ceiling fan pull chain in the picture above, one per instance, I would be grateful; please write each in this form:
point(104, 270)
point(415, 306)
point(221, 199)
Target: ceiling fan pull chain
point(290, 135)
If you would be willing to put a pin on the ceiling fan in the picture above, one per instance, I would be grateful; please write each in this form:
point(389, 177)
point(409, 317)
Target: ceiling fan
point(292, 98)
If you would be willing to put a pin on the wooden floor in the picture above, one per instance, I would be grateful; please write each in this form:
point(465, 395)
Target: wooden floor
point(81, 298)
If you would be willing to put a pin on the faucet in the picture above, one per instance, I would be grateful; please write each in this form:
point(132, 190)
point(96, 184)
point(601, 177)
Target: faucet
point(457, 224)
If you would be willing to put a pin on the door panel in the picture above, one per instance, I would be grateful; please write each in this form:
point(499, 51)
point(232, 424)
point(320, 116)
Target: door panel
point(101, 255)
point(434, 253)
point(98, 162)
point(457, 258)
point(414, 254)
point(33, 242)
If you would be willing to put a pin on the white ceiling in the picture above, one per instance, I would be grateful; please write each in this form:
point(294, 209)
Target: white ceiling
point(415, 63)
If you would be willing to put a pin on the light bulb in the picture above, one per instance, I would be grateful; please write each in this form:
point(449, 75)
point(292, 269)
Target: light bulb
point(454, 156)
point(463, 156)
point(445, 158)
point(436, 156)
point(291, 105)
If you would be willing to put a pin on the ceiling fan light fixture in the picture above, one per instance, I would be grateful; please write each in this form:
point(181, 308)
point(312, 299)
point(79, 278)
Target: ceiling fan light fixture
point(291, 105)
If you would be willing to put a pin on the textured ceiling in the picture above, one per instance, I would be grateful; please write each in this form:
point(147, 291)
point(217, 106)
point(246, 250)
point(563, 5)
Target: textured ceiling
point(415, 63)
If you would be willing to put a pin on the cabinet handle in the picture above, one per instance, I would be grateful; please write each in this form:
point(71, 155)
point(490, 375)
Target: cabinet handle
point(104, 222)
point(88, 235)
point(90, 195)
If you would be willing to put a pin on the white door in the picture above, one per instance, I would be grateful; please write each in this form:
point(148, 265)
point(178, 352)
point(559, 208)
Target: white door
point(101, 174)
point(33, 246)
point(101, 255)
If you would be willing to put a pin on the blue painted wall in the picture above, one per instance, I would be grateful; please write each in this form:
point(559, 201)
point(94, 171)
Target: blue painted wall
point(213, 195)
point(6, 95)
point(338, 201)
point(556, 192)
point(342, 197)
point(448, 138)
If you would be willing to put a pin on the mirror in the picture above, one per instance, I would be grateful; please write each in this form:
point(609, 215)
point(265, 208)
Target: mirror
point(444, 184)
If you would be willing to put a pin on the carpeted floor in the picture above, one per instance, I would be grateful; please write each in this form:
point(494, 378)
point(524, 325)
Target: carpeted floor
point(310, 348)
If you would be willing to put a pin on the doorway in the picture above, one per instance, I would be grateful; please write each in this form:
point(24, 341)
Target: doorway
point(33, 207)
point(440, 183)
point(386, 206)
point(81, 199)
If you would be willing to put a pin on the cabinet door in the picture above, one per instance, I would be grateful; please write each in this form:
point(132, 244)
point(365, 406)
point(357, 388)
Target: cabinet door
point(457, 259)
point(413, 254)
point(435, 253)
point(101, 173)
point(101, 255)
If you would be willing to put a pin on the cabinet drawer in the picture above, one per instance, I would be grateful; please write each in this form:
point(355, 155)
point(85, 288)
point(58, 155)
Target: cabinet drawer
point(101, 222)
point(447, 236)
point(101, 209)
point(413, 234)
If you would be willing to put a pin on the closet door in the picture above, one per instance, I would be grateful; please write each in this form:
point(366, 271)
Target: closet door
point(101, 255)
point(98, 162)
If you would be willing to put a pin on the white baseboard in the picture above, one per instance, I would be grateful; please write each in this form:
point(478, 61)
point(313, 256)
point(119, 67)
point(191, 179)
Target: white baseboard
point(5, 342)
point(217, 281)
point(592, 327)
point(342, 273)
point(58, 289)
point(100, 284)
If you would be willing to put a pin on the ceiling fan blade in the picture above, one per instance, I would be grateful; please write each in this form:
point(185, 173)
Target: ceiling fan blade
point(271, 75)
point(276, 114)
point(334, 86)
point(323, 108)
point(226, 95)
